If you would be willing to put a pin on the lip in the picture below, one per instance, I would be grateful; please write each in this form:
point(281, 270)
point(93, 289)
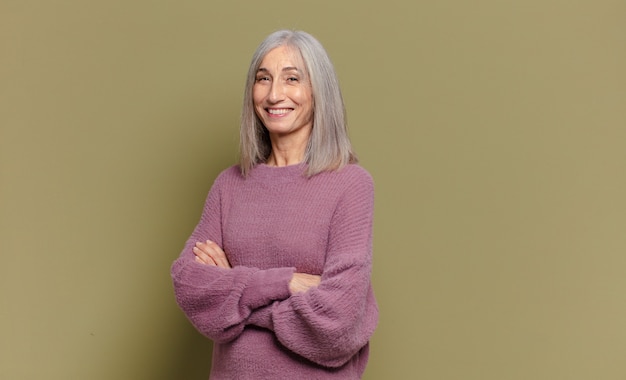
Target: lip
point(278, 111)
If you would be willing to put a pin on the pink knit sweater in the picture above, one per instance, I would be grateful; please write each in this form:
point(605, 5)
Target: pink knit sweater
point(271, 224)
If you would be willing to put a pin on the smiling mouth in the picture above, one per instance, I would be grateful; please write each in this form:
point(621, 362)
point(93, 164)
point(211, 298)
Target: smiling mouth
point(278, 111)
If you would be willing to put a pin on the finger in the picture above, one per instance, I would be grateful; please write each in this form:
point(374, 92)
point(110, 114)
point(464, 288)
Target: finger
point(200, 256)
point(203, 248)
point(214, 252)
point(203, 257)
point(217, 254)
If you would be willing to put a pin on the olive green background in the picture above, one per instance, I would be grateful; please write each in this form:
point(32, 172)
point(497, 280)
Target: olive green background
point(495, 132)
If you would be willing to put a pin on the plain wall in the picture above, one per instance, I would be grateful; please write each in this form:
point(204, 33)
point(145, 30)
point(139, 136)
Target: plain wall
point(495, 132)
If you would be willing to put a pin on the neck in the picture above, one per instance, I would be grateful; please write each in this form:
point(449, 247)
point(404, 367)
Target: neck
point(284, 158)
point(287, 151)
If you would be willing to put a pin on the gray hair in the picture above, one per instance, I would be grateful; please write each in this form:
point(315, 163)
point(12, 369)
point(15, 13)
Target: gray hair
point(329, 146)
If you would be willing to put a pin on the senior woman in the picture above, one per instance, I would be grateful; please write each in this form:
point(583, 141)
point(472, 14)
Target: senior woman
point(277, 271)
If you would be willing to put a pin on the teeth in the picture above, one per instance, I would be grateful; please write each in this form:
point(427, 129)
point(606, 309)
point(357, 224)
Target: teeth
point(280, 111)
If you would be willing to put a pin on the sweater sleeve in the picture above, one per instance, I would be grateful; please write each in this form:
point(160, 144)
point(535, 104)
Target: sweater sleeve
point(329, 324)
point(218, 301)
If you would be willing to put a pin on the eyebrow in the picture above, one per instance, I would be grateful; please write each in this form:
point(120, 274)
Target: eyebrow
point(288, 68)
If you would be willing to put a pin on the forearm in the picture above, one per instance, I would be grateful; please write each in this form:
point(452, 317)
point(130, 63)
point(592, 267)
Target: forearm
point(219, 301)
point(327, 324)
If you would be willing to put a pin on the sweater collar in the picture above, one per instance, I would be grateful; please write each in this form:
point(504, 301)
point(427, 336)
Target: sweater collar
point(278, 174)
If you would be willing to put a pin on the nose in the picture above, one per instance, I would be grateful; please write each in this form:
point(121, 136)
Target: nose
point(277, 93)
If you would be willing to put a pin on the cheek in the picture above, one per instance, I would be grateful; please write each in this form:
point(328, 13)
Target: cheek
point(305, 98)
point(257, 95)
point(308, 103)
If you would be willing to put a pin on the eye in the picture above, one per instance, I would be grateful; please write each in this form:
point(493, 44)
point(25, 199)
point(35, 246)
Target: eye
point(292, 79)
point(262, 78)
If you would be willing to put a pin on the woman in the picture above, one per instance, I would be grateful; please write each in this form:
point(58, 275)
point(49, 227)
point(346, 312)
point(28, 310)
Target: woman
point(277, 271)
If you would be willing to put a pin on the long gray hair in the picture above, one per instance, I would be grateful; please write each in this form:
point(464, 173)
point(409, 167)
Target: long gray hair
point(329, 146)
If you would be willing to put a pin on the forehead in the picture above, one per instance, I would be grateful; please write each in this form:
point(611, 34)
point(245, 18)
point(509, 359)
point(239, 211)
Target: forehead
point(283, 56)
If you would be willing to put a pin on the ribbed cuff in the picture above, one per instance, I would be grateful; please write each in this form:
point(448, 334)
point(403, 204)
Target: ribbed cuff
point(262, 317)
point(266, 286)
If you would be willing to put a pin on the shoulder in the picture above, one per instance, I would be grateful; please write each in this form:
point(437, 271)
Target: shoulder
point(227, 178)
point(348, 180)
point(351, 175)
point(353, 187)
point(232, 173)
point(357, 172)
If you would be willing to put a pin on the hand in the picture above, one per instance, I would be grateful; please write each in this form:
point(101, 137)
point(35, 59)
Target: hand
point(301, 282)
point(209, 253)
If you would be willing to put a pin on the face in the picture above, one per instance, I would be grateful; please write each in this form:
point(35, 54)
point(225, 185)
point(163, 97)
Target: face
point(282, 94)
